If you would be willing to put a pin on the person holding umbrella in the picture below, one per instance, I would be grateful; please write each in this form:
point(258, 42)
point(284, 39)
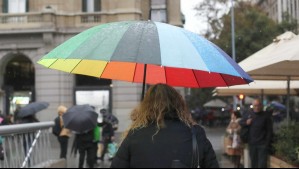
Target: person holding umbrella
point(162, 134)
point(27, 115)
point(82, 119)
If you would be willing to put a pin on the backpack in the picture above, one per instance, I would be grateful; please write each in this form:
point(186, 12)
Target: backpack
point(56, 130)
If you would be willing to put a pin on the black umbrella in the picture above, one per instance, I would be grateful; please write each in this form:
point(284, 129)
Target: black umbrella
point(80, 118)
point(32, 108)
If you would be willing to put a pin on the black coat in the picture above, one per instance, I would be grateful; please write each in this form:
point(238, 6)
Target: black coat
point(143, 149)
point(261, 128)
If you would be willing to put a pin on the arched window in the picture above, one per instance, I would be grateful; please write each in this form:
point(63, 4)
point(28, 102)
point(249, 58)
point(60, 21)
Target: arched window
point(19, 83)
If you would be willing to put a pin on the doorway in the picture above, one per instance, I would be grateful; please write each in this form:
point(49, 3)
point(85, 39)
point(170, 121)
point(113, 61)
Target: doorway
point(19, 83)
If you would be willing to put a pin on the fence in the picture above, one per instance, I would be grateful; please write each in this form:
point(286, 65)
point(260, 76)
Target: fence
point(25, 145)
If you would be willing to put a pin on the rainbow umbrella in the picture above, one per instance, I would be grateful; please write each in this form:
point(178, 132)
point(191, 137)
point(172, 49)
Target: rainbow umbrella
point(146, 52)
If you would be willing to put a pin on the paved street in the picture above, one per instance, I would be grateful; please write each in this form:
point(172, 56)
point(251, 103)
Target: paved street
point(214, 134)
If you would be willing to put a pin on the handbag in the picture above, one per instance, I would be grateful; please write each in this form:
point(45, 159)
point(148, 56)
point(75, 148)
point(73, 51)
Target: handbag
point(195, 154)
point(112, 149)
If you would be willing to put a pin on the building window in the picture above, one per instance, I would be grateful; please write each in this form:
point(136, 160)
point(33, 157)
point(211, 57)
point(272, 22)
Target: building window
point(158, 10)
point(91, 5)
point(93, 91)
point(15, 6)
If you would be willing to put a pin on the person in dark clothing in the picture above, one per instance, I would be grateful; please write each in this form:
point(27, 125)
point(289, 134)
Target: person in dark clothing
point(107, 136)
point(86, 145)
point(160, 134)
point(110, 118)
point(29, 137)
point(260, 135)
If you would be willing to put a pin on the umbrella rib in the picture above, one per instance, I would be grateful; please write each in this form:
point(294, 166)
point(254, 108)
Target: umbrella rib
point(134, 72)
point(52, 63)
point(107, 35)
point(76, 66)
point(223, 79)
point(140, 39)
point(104, 68)
point(195, 77)
point(165, 74)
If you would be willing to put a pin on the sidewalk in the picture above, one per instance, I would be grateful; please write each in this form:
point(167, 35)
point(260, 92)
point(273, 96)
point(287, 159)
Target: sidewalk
point(215, 135)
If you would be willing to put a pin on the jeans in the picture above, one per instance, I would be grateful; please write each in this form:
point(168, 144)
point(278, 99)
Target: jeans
point(259, 156)
point(63, 140)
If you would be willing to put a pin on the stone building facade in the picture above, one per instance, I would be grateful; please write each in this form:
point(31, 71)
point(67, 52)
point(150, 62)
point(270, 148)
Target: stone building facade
point(31, 28)
point(275, 9)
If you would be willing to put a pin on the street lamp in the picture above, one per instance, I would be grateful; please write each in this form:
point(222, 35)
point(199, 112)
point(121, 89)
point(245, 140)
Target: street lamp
point(233, 42)
point(233, 30)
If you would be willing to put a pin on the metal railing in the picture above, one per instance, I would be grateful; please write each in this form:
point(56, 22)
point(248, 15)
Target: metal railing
point(25, 145)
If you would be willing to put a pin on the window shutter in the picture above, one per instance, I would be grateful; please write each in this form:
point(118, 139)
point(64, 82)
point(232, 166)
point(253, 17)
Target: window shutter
point(97, 5)
point(84, 5)
point(5, 6)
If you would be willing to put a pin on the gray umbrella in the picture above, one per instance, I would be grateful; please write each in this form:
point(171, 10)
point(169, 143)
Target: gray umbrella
point(32, 109)
point(80, 118)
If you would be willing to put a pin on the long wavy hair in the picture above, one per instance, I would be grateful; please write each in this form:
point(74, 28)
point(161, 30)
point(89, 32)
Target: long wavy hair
point(161, 101)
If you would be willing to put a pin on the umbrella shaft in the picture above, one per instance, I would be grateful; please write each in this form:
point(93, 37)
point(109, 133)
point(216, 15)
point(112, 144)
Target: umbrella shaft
point(144, 80)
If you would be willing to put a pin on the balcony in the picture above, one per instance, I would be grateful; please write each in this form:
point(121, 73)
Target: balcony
point(49, 21)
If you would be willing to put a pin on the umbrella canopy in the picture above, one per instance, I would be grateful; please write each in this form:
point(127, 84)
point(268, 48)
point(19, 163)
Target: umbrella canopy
point(259, 87)
point(32, 109)
point(81, 118)
point(277, 105)
point(215, 103)
point(146, 52)
point(277, 61)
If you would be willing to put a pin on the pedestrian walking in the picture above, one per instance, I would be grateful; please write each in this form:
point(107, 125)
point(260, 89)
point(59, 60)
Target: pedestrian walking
point(260, 135)
point(107, 136)
point(233, 130)
point(86, 145)
point(29, 137)
point(61, 132)
point(110, 118)
point(160, 135)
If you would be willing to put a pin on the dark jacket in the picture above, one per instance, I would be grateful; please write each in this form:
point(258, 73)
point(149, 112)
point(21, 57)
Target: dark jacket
point(143, 149)
point(107, 129)
point(261, 128)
